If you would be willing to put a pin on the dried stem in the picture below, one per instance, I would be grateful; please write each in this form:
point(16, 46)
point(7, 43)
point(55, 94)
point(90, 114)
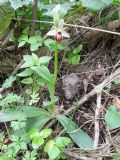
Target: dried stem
point(34, 17)
point(97, 113)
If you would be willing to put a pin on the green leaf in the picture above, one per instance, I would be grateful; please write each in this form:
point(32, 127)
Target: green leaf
point(45, 132)
point(21, 113)
point(62, 142)
point(21, 44)
point(35, 46)
point(93, 4)
point(28, 58)
point(112, 118)
point(29, 62)
point(48, 42)
point(6, 158)
point(54, 153)
point(116, 156)
point(78, 49)
point(9, 82)
point(5, 18)
point(37, 142)
point(52, 150)
point(117, 80)
point(73, 59)
point(34, 39)
point(82, 139)
point(25, 73)
point(44, 60)
point(33, 133)
point(19, 3)
point(27, 80)
point(23, 38)
point(49, 145)
point(43, 72)
point(117, 2)
point(37, 122)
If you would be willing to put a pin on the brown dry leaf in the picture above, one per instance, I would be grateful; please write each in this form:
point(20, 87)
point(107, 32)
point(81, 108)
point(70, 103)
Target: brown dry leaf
point(113, 25)
point(85, 83)
point(116, 102)
point(99, 70)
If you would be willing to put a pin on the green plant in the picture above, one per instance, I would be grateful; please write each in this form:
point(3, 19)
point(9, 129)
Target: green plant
point(30, 155)
point(74, 57)
point(38, 137)
point(34, 41)
point(112, 118)
point(55, 148)
point(35, 73)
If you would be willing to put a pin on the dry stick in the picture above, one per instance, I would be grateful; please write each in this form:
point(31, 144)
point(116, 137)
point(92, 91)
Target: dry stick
point(108, 80)
point(34, 17)
point(97, 113)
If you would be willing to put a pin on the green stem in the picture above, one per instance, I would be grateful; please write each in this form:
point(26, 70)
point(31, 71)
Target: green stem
point(56, 63)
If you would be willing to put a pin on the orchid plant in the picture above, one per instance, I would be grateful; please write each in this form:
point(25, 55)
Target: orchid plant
point(58, 32)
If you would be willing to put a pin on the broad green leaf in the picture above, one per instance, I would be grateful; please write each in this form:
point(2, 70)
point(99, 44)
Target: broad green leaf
point(27, 72)
point(21, 44)
point(28, 58)
point(21, 113)
point(34, 123)
point(29, 62)
point(51, 149)
point(27, 80)
point(49, 145)
point(37, 122)
point(35, 39)
point(35, 46)
point(40, 82)
point(23, 38)
point(37, 142)
point(62, 142)
point(19, 3)
point(112, 118)
point(48, 42)
point(45, 132)
point(44, 60)
point(82, 139)
point(54, 153)
point(93, 4)
point(43, 72)
point(33, 133)
point(5, 18)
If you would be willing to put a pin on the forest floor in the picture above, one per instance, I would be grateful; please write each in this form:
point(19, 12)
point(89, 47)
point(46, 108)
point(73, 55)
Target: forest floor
point(98, 68)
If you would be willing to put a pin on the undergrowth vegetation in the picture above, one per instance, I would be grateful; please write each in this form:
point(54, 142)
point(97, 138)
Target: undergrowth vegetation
point(35, 125)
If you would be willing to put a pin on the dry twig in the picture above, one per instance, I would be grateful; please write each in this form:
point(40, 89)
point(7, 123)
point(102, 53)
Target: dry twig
point(108, 80)
point(97, 113)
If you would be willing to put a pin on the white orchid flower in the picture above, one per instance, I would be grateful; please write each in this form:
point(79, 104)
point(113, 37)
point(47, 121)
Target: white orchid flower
point(58, 31)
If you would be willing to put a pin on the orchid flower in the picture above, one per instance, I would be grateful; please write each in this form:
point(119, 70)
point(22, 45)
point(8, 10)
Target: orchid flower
point(58, 30)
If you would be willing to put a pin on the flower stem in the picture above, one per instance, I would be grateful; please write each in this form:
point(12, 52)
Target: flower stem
point(56, 62)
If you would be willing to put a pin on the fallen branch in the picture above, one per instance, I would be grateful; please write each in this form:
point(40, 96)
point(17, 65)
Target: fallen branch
point(97, 113)
point(108, 80)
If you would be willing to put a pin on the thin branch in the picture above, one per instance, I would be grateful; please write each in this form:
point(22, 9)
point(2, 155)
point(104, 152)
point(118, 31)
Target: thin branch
point(97, 113)
point(34, 17)
point(77, 26)
point(108, 80)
